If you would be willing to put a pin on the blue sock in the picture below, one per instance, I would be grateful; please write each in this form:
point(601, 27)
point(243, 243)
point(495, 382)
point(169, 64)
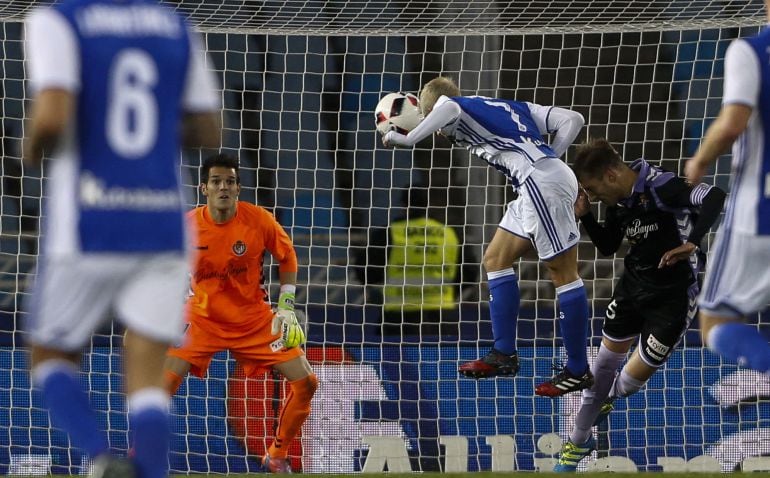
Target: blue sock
point(149, 421)
point(69, 407)
point(573, 320)
point(504, 309)
point(740, 343)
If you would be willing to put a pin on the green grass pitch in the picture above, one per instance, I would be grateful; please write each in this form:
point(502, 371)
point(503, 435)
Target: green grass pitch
point(480, 474)
point(477, 475)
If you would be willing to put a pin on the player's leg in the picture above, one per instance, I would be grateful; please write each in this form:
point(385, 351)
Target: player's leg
point(548, 198)
point(621, 328)
point(666, 317)
point(608, 360)
point(192, 355)
point(174, 372)
point(736, 284)
point(573, 309)
point(505, 248)
point(732, 339)
point(295, 410)
point(660, 321)
point(69, 301)
point(56, 375)
point(148, 402)
point(605, 367)
point(147, 305)
point(597, 401)
point(258, 350)
point(573, 322)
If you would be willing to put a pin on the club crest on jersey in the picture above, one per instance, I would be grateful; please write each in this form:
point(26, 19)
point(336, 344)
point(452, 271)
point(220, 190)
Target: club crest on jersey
point(239, 248)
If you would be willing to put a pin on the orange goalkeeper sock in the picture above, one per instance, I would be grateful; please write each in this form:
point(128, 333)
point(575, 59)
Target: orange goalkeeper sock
point(295, 410)
point(173, 381)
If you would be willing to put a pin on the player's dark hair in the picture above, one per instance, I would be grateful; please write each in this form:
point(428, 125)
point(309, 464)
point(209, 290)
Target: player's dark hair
point(221, 160)
point(594, 157)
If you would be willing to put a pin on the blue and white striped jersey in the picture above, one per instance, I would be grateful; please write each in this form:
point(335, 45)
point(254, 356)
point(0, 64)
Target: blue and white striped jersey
point(496, 125)
point(490, 126)
point(747, 81)
point(506, 134)
point(115, 184)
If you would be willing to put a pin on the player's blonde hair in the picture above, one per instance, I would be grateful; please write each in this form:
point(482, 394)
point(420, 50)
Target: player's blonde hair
point(443, 85)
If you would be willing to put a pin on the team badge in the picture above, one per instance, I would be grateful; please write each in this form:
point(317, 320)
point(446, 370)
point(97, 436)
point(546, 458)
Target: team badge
point(239, 248)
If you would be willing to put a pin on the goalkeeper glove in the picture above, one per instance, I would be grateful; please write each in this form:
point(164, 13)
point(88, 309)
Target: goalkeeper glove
point(285, 322)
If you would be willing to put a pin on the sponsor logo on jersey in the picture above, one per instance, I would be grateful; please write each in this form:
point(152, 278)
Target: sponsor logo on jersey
point(636, 230)
point(231, 270)
point(94, 194)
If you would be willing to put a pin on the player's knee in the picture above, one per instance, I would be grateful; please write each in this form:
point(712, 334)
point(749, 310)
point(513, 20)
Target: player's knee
point(172, 381)
point(562, 272)
point(626, 385)
point(305, 388)
point(491, 261)
point(709, 323)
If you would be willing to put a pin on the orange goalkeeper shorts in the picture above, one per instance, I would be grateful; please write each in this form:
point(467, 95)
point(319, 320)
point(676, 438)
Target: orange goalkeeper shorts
point(255, 350)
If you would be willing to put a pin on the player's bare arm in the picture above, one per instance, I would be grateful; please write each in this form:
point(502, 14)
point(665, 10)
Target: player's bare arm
point(51, 111)
point(731, 122)
point(677, 254)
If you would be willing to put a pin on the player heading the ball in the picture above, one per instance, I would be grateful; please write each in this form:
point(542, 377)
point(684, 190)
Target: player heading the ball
point(508, 135)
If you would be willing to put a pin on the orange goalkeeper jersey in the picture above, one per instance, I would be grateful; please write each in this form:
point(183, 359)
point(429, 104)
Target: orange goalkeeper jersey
point(227, 281)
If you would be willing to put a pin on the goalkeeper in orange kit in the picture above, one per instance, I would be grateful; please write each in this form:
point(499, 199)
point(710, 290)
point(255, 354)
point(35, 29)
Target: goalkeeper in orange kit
point(229, 307)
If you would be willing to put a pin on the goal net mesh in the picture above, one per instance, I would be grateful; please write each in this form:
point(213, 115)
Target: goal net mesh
point(300, 80)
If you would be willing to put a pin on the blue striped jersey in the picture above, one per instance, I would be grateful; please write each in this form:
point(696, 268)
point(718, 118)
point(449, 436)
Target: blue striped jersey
point(117, 179)
point(490, 126)
point(747, 81)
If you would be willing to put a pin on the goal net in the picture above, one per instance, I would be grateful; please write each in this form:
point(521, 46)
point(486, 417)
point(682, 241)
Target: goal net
point(300, 82)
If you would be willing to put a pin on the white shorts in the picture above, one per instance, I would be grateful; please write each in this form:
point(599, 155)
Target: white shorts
point(74, 296)
point(737, 279)
point(544, 212)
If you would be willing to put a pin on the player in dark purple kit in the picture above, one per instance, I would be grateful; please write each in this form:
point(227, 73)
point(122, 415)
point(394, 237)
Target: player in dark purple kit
point(664, 219)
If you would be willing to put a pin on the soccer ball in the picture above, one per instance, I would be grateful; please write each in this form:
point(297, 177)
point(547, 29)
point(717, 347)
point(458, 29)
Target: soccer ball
point(397, 112)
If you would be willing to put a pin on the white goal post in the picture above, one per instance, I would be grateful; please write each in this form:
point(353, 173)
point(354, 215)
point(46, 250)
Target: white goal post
point(300, 81)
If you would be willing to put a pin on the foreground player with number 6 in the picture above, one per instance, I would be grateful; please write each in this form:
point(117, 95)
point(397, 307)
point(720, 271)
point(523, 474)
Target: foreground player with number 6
point(114, 100)
point(228, 308)
point(664, 219)
point(508, 135)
